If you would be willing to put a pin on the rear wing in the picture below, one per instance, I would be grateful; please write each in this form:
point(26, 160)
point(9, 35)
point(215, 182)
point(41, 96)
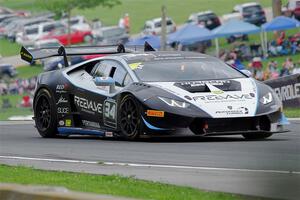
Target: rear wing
point(30, 55)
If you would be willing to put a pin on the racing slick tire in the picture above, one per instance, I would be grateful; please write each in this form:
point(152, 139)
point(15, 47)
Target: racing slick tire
point(256, 136)
point(131, 124)
point(45, 114)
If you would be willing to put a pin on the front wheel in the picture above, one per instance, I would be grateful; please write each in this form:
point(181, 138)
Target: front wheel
point(130, 119)
point(255, 136)
point(45, 115)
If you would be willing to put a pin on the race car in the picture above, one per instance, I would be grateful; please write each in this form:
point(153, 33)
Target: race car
point(131, 94)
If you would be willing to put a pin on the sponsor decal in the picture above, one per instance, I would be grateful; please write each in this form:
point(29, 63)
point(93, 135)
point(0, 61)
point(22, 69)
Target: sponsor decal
point(231, 111)
point(61, 88)
point(202, 83)
point(288, 92)
point(91, 124)
point(68, 122)
point(62, 110)
point(155, 113)
point(134, 66)
point(88, 106)
point(109, 134)
point(224, 97)
point(61, 122)
point(61, 100)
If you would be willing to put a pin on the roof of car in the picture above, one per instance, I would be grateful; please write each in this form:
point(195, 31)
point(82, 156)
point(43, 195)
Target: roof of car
point(157, 19)
point(204, 12)
point(162, 55)
point(240, 6)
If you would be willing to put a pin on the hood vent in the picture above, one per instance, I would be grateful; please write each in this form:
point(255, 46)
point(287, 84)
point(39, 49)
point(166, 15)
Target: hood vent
point(202, 86)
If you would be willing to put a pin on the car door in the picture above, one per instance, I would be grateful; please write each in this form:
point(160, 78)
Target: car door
point(116, 71)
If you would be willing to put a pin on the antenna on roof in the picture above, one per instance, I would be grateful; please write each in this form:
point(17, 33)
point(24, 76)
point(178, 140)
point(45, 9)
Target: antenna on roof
point(148, 47)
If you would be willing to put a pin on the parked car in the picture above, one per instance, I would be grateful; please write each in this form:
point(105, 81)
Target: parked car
point(78, 23)
point(292, 9)
point(7, 71)
point(4, 10)
point(208, 19)
point(35, 32)
point(154, 26)
point(46, 43)
point(15, 27)
point(251, 12)
point(110, 35)
point(76, 36)
point(5, 23)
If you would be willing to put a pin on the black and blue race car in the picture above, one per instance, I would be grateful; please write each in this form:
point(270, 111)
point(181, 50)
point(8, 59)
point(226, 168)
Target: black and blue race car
point(132, 93)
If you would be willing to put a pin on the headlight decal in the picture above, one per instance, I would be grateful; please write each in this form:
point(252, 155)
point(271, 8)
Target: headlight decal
point(267, 98)
point(174, 103)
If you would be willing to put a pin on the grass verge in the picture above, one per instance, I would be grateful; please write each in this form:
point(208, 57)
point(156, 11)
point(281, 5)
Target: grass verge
point(29, 71)
point(292, 112)
point(8, 48)
point(112, 185)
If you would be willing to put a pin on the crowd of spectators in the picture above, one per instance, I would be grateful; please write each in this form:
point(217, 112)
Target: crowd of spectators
point(17, 86)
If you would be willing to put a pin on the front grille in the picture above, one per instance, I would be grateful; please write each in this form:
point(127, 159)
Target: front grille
point(215, 125)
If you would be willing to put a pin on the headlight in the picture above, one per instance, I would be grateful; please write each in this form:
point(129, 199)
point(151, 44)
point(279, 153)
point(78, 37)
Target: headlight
point(174, 103)
point(267, 98)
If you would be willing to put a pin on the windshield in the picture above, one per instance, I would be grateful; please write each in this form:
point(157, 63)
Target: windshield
point(184, 70)
point(31, 31)
point(252, 9)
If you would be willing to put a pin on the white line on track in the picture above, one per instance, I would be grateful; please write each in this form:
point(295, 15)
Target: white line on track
point(148, 165)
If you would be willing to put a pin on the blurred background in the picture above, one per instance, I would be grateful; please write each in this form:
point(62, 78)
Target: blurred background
point(262, 36)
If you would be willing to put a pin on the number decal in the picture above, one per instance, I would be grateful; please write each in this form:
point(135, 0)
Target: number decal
point(110, 113)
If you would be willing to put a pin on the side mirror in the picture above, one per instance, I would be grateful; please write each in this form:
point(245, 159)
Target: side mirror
point(246, 72)
point(105, 82)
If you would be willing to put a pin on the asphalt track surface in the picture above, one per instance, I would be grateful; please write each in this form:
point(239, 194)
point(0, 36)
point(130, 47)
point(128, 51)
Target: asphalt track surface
point(267, 168)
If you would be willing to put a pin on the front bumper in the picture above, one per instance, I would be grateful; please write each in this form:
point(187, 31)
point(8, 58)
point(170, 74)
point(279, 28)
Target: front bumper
point(269, 123)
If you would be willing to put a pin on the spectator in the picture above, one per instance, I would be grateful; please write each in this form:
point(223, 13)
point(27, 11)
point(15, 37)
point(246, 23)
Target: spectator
point(127, 22)
point(296, 69)
point(287, 67)
point(256, 68)
point(272, 70)
point(122, 23)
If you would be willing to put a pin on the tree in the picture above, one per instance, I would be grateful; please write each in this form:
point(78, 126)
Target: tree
point(276, 7)
point(60, 7)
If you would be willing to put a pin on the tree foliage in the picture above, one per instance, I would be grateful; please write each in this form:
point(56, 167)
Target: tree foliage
point(66, 6)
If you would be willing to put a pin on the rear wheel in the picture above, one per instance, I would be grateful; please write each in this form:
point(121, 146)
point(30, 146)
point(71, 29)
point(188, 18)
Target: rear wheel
point(255, 136)
point(45, 115)
point(130, 120)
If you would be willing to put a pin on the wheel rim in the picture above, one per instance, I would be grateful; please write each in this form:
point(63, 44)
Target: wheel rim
point(129, 117)
point(43, 114)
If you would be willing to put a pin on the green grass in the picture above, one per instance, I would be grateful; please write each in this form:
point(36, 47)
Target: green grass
point(29, 71)
point(112, 185)
point(292, 112)
point(8, 48)
point(14, 100)
point(23, 72)
point(142, 10)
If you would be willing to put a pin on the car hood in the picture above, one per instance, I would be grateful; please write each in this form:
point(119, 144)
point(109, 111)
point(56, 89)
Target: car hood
point(218, 98)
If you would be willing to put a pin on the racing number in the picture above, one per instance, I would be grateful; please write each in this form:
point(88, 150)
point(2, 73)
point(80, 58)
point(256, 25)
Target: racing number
point(110, 113)
point(110, 110)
